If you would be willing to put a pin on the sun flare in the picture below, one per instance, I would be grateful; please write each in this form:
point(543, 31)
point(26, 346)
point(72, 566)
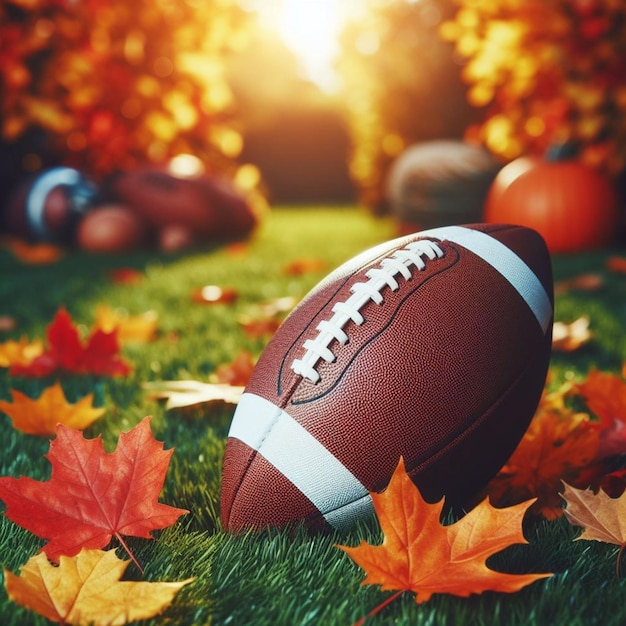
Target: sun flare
point(311, 29)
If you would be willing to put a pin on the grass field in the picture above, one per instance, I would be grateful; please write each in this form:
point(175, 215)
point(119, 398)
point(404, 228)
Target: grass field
point(274, 578)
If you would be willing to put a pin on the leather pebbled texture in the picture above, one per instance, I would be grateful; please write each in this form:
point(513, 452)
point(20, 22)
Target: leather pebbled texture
point(446, 372)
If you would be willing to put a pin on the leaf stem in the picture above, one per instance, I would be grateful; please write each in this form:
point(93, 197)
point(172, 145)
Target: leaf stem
point(129, 552)
point(618, 565)
point(376, 610)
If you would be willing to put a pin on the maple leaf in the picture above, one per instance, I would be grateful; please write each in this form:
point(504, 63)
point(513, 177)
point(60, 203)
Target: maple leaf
point(129, 328)
point(86, 589)
point(421, 555)
point(558, 445)
point(602, 517)
point(185, 393)
point(40, 417)
point(19, 353)
point(605, 395)
point(93, 495)
point(65, 352)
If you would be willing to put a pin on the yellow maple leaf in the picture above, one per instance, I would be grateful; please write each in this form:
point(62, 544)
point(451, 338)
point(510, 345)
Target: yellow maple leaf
point(421, 555)
point(40, 417)
point(86, 589)
point(21, 352)
point(130, 328)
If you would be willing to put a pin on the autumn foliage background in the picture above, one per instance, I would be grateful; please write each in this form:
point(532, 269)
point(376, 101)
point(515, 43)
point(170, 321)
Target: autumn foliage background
point(107, 85)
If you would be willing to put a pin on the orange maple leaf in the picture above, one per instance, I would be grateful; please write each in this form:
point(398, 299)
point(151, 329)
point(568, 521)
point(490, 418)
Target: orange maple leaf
point(605, 395)
point(602, 517)
point(86, 589)
point(22, 352)
point(421, 555)
point(558, 445)
point(40, 417)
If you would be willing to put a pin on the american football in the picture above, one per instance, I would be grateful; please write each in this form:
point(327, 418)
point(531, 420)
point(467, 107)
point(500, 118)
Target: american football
point(433, 347)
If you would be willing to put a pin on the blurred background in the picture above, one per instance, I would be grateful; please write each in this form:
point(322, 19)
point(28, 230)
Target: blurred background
point(314, 101)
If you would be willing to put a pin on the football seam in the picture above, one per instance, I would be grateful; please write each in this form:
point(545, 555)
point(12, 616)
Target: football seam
point(435, 456)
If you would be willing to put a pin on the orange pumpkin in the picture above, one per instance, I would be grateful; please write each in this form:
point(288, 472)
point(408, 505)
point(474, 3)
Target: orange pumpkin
point(571, 205)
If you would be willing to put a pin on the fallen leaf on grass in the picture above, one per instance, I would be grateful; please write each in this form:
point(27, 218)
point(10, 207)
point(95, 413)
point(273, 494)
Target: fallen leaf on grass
point(66, 353)
point(40, 417)
point(86, 589)
point(237, 249)
point(92, 495)
point(602, 517)
point(276, 307)
point(304, 265)
point(185, 393)
point(558, 445)
point(421, 555)
point(213, 294)
point(570, 337)
point(605, 395)
point(20, 353)
point(129, 328)
point(584, 282)
point(126, 276)
point(257, 327)
point(237, 372)
point(616, 264)
point(35, 253)
point(7, 323)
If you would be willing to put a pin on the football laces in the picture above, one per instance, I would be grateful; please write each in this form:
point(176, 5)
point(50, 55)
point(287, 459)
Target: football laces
point(401, 264)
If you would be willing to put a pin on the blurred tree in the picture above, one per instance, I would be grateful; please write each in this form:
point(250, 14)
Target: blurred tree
point(103, 85)
point(550, 72)
point(402, 86)
point(294, 133)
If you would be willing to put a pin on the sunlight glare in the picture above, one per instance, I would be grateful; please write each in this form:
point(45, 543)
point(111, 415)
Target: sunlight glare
point(311, 29)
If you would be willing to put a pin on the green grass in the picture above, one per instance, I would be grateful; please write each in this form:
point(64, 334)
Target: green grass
point(276, 578)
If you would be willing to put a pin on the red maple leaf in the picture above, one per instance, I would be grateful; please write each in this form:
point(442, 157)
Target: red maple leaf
point(93, 495)
point(65, 352)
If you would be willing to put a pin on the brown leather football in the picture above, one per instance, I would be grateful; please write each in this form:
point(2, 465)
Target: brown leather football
point(433, 347)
